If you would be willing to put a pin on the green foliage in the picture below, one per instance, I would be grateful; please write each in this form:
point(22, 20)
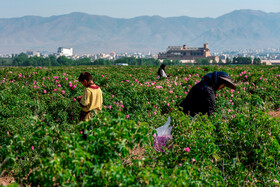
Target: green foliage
point(103, 62)
point(5, 61)
point(20, 60)
point(23, 60)
point(137, 61)
point(203, 61)
point(242, 60)
point(41, 142)
point(228, 61)
point(257, 61)
point(172, 62)
point(64, 61)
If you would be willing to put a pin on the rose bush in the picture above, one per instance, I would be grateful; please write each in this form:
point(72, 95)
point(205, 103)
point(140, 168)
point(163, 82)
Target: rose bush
point(41, 142)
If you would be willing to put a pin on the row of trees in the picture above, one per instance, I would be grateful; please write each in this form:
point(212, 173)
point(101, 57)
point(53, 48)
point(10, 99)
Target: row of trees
point(23, 60)
point(246, 60)
point(138, 61)
point(242, 60)
point(235, 60)
point(5, 61)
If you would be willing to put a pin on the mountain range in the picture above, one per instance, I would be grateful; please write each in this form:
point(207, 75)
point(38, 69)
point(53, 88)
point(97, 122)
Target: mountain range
point(240, 29)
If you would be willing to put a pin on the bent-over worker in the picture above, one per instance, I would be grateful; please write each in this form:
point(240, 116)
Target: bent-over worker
point(201, 98)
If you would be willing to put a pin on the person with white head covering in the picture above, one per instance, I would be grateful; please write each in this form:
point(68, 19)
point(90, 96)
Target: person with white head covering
point(161, 71)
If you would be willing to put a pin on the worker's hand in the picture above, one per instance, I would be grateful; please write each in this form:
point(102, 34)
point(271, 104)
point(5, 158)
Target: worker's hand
point(79, 98)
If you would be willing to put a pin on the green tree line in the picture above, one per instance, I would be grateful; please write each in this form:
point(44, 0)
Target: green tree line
point(23, 60)
point(246, 60)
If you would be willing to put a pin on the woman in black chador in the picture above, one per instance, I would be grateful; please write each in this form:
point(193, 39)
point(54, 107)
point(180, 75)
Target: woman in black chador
point(201, 98)
point(161, 71)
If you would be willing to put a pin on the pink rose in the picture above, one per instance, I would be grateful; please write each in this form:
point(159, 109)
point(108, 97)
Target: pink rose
point(187, 149)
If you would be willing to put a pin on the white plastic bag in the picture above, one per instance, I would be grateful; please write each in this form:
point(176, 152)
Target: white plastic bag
point(163, 136)
point(165, 130)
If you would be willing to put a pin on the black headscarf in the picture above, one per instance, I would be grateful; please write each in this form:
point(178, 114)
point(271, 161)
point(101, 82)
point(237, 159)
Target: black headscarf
point(216, 79)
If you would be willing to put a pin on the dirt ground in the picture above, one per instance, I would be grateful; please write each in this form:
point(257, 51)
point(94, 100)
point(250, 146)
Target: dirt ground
point(275, 114)
point(6, 180)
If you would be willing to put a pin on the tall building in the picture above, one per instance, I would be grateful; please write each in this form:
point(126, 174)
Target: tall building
point(187, 53)
point(68, 52)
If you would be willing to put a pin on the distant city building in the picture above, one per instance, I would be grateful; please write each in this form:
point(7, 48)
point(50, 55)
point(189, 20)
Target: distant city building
point(186, 54)
point(32, 53)
point(68, 52)
point(223, 58)
point(271, 62)
point(113, 54)
point(105, 56)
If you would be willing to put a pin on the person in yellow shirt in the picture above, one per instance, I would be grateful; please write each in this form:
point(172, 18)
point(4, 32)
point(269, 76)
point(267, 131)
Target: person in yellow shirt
point(92, 99)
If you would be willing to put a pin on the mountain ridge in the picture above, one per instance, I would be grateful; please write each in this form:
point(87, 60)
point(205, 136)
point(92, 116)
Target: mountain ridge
point(87, 33)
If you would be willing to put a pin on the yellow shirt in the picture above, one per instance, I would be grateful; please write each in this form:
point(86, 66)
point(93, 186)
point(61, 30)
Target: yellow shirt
point(92, 99)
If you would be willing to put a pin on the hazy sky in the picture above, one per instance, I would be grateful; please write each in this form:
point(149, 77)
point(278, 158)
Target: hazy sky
point(133, 8)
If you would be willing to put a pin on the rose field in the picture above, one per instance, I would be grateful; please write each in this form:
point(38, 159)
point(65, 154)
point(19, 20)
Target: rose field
point(41, 142)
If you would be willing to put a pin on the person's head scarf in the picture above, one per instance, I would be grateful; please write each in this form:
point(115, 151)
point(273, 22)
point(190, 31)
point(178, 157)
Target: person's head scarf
point(162, 66)
point(219, 78)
